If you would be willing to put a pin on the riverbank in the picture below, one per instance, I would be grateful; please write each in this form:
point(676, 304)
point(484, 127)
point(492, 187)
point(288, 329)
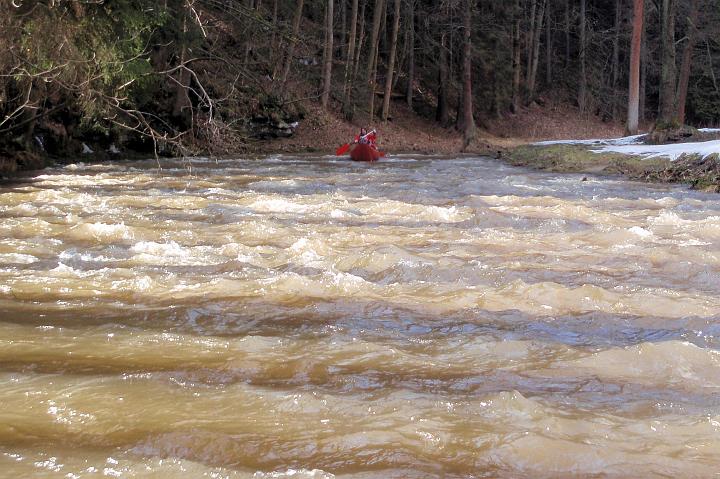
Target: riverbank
point(534, 137)
point(695, 162)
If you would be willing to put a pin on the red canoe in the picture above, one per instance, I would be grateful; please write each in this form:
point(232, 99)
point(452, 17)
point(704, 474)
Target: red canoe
point(364, 152)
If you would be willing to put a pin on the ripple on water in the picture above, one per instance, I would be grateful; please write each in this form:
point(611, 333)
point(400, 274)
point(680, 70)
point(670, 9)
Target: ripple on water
point(310, 317)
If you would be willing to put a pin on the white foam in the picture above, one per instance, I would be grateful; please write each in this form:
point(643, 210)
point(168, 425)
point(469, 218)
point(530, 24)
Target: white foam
point(294, 473)
point(278, 206)
point(17, 258)
point(103, 230)
point(641, 232)
point(159, 249)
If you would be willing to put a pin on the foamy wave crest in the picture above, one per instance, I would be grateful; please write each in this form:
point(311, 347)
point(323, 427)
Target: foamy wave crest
point(17, 258)
point(103, 231)
point(278, 205)
point(677, 362)
point(295, 474)
point(171, 253)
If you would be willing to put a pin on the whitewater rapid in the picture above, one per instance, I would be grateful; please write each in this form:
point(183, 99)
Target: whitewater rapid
point(309, 317)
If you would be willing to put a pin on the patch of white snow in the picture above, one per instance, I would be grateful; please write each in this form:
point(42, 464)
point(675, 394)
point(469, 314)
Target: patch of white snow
point(672, 151)
point(625, 140)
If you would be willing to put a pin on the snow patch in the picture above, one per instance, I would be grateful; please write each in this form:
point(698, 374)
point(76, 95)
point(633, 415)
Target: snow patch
point(633, 145)
point(673, 152)
point(625, 140)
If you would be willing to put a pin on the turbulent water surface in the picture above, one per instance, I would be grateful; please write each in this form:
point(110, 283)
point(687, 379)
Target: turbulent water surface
point(303, 317)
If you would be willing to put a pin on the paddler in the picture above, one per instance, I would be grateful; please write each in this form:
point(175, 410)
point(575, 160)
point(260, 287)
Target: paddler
point(365, 138)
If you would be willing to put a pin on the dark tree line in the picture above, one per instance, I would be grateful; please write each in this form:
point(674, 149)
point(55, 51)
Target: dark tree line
point(196, 74)
point(478, 59)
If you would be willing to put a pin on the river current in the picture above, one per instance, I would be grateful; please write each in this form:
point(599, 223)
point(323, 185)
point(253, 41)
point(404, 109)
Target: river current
point(314, 318)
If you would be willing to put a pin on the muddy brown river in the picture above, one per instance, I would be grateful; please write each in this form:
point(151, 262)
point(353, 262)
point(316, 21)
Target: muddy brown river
point(313, 318)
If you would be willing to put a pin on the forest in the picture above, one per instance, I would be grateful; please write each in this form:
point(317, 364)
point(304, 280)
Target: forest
point(181, 77)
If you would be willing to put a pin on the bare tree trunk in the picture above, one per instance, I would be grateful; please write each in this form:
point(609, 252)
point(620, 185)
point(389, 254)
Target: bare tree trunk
point(635, 48)
point(327, 71)
point(291, 46)
point(350, 53)
point(182, 104)
point(567, 34)
point(358, 49)
point(643, 69)
point(710, 66)
point(248, 42)
point(273, 39)
point(443, 114)
point(668, 71)
point(377, 17)
point(411, 54)
point(468, 119)
point(372, 61)
point(517, 52)
point(383, 42)
point(534, 53)
point(582, 91)
point(343, 26)
point(529, 39)
point(391, 62)
point(616, 59)
point(548, 47)
point(686, 65)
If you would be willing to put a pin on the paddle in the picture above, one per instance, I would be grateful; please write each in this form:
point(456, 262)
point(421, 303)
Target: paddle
point(342, 149)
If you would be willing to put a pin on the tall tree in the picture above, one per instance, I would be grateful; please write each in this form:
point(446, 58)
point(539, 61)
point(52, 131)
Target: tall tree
point(290, 54)
point(567, 34)
point(616, 59)
point(517, 55)
point(274, 36)
point(411, 53)
point(643, 68)
point(182, 104)
point(534, 52)
point(372, 60)
point(442, 113)
point(530, 36)
point(548, 46)
point(582, 91)
point(248, 43)
point(343, 26)
point(359, 48)
point(686, 64)
point(350, 56)
point(635, 47)
point(327, 70)
point(391, 62)
point(468, 118)
point(668, 71)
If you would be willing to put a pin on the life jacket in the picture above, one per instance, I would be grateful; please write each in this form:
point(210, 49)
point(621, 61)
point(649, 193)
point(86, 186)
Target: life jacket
point(368, 139)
